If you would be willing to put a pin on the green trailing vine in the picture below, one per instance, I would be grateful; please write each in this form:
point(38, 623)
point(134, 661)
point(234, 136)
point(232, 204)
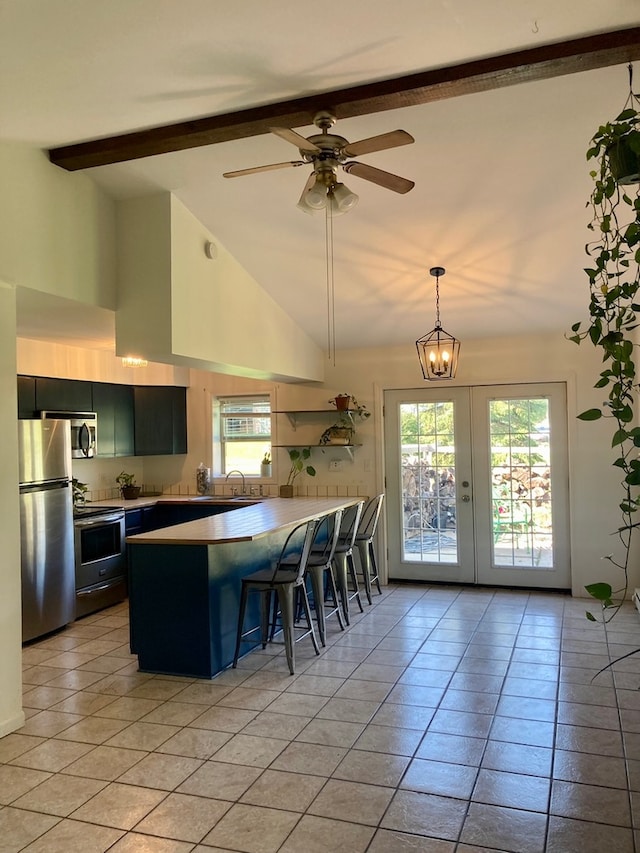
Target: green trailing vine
point(614, 281)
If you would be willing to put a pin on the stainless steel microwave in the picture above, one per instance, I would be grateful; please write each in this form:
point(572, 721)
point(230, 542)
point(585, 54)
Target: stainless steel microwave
point(84, 431)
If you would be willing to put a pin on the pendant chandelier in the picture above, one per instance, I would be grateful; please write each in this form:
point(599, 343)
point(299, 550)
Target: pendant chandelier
point(438, 351)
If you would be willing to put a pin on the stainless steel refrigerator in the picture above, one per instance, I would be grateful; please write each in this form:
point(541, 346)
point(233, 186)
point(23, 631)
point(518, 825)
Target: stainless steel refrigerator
point(46, 526)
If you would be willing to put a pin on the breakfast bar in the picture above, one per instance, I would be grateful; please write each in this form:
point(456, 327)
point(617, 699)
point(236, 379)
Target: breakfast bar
point(185, 580)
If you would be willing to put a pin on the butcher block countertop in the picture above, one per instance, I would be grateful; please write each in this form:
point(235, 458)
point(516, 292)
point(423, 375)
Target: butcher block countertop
point(244, 524)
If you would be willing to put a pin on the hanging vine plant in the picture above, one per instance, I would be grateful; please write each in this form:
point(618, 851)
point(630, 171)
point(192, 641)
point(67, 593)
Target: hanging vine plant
point(614, 305)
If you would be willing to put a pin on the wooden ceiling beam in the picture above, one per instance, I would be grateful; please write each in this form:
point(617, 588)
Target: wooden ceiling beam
point(481, 75)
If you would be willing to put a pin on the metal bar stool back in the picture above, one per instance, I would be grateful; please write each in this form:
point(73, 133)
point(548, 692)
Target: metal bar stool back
point(364, 542)
point(286, 579)
point(343, 559)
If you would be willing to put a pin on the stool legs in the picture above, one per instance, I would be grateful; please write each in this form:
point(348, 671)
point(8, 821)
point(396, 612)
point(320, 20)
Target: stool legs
point(316, 574)
point(369, 566)
point(345, 572)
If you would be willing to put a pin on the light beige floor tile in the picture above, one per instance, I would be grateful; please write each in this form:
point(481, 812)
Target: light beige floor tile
point(284, 726)
point(330, 732)
point(388, 841)
point(134, 842)
point(184, 817)
point(316, 685)
point(320, 835)
point(119, 806)
point(44, 696)
point(425, 814)
point(70, 836)
point(504, 829)
point(49, 723)
point(267, 680)
point(74, 679)
point(83, 703)
point(128, 708)
point(18, 828)
point(602, 770)
point(581, 836)
point(299, 704)
point(353, 801)
point(52, 755)
point(203, 693)
point(60, 795)
point(16, 781)
point(513, 790)
point(33, 675)
point(221, 781)
point(375, 768)
point(389, 739)
point(161, 771)
point(147, 736)
point(348, 710)
point(93, 730)
point(277, 789)
point(222, 719)
point(13, 745)
point(251, 750)
point(310, 758)
point(105, 762)
point(174, 713)
point(372, 691)
point(403, 716)
point(253, 829)
point(157, 688)
point(251, 699)
point(590, 802)
point(195, 743)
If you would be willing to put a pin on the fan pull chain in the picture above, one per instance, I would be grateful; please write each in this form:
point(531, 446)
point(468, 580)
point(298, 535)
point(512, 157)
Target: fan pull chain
point(331, 309)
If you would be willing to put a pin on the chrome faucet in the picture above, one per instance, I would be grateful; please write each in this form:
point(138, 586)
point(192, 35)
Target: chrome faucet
point(244, 485)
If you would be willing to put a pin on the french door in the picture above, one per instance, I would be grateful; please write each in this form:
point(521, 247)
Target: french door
point(477, 485)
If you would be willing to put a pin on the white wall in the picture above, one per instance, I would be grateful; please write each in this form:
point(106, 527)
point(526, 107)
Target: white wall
point(176, 305)
point(11, 715)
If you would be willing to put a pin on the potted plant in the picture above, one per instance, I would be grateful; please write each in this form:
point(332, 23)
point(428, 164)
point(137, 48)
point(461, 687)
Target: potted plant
point(348, 403)
point(128, 488)
point(265, 465)
point(78, 492)
point(298, 459)
point(614, 281)
point(342, 431)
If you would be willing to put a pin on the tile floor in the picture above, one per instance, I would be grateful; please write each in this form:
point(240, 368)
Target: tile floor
point(445, 719)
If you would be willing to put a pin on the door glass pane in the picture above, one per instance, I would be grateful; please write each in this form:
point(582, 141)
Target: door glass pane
point(428, 482)
point(521, 482)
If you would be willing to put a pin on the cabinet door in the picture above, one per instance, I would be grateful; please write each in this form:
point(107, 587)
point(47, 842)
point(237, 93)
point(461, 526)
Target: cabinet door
point(65, 395)
point(114, 407)
point(26, 397)
point(160, 420)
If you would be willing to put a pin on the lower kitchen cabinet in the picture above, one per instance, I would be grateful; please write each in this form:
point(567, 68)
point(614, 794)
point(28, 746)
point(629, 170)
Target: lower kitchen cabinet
point(160, 416)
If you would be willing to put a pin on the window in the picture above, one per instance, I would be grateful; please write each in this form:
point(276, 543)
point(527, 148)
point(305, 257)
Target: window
point(244, 433)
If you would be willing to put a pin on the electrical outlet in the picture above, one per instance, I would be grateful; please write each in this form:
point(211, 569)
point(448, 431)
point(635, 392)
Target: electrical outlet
point(335, 465)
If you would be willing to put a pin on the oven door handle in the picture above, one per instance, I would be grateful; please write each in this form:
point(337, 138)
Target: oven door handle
point(98, 520)
point(94, 589)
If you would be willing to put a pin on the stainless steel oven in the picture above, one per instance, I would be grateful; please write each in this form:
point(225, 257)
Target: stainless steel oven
point(100, 555)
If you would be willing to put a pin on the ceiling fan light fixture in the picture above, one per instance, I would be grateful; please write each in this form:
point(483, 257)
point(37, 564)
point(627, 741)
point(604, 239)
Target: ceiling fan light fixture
point(342, 198)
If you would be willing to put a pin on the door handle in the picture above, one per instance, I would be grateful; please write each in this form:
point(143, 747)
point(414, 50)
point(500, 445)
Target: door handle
point(466, 498)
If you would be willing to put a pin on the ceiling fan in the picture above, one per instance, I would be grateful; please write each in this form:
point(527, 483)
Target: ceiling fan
point(328, 151)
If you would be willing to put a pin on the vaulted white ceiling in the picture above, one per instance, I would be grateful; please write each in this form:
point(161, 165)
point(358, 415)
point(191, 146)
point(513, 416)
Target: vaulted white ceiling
point(501, 176)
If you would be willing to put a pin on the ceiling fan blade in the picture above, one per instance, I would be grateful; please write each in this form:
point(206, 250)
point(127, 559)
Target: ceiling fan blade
point(377, 176)
point(239, 172)
point(295, 139)
point(378, 143)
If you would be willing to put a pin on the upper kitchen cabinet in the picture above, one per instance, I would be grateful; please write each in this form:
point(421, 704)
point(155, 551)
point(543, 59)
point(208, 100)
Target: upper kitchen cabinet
point(63, 395)
point(160, 420)
point(114, 407)
point(26, 396)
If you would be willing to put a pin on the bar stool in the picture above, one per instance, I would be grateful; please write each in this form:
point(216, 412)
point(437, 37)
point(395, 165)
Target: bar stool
point(343, 559)
point(286, 579)
point(320, 569)
point(364, 542)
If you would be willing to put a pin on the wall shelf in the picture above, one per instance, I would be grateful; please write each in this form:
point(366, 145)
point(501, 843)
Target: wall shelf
point(323, 447)
point(295, 415)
